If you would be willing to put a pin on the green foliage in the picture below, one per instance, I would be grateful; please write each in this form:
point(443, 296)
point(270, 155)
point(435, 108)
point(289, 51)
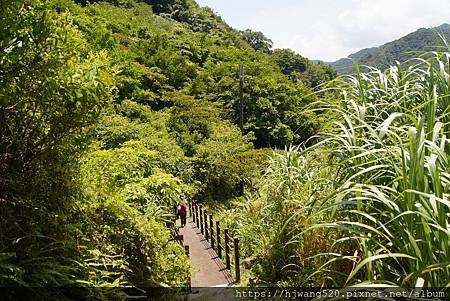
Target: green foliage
point(138, 122)
point(215, 148)
point(218, 163)
point(51, 88)
point(129, 197)
point(159, 56)
point(62, 225)
point(112, 169)
point(298, 68)
point(191, 121)
point(289, 61)
point(271, 221)
point(257, 40)
point(139, 243)
point(317, 75)
point(166, 6)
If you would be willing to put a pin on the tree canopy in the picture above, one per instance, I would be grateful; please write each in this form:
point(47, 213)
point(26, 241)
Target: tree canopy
point(257, 40)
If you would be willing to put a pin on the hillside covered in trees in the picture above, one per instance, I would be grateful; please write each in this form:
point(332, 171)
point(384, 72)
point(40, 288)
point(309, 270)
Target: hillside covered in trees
point(112, 110)
point(410, 46)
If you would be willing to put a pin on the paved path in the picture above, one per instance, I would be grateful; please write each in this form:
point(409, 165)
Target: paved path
point(208, 268)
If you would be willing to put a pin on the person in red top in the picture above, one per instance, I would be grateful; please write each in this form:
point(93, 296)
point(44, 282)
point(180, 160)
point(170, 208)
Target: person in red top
point(182, 211)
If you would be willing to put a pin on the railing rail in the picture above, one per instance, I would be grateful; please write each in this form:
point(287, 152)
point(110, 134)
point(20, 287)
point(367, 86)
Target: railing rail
point(226, 246)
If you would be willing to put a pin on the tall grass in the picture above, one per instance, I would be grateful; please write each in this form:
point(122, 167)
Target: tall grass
point(270, 221)
point(393, 151)
point(369, 203)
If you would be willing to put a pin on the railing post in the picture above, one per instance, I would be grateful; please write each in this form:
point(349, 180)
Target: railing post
point(219, 247)
point(197, 220)
point(205, 226)
point(201, 220)
point(189, 283)
point(227, 250)
point(190, 209)
point(211, 231)
point(237, 268)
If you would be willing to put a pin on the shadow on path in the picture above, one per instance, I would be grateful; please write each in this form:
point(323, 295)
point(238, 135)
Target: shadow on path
point(208, 268)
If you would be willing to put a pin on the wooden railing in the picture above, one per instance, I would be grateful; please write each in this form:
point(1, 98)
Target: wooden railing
point(219, 240)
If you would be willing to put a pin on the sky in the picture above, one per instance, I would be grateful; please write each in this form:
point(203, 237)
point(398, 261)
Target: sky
point(331, 29)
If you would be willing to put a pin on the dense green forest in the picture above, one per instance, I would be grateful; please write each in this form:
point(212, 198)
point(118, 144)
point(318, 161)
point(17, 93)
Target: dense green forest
point(410, 46)
point(109, 111)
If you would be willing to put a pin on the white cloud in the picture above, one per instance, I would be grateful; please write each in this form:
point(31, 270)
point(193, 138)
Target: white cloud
point(331, 29)
point(383, 20)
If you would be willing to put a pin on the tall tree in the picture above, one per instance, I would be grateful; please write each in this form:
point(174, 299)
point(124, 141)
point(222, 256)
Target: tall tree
point(289, 61)
point(257, 40)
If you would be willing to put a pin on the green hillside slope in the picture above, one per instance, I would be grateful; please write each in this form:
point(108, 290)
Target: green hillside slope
point(409, 46)
point(177, 46)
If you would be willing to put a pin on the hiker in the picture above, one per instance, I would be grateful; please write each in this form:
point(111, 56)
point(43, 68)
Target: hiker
point(182, 211)
point(183, 199)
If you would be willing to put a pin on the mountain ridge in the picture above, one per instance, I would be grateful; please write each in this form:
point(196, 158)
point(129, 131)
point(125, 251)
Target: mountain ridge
point(402, 49)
